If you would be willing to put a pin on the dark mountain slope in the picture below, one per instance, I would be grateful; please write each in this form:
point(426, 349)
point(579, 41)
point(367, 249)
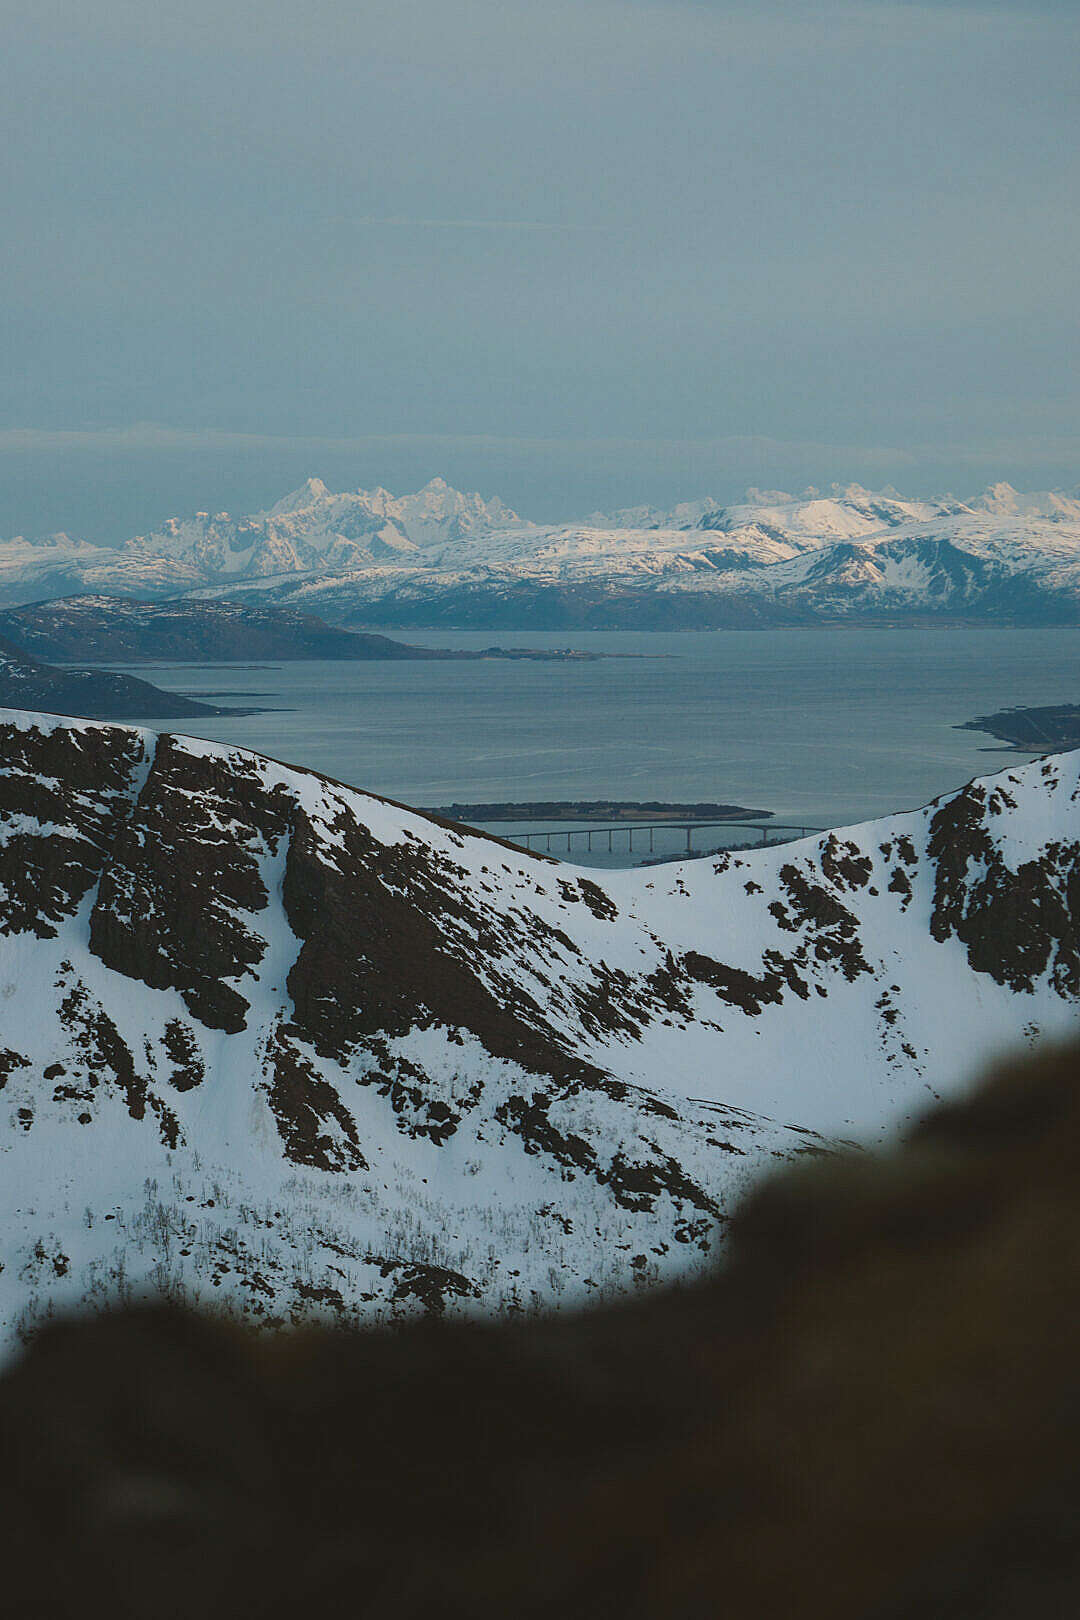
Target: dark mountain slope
point(105, 629)
point(267, 1039)
point(91, 694)
point(110, 629)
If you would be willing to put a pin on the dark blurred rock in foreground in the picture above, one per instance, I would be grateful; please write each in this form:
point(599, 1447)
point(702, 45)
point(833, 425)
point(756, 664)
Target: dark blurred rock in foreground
point(874, 1412)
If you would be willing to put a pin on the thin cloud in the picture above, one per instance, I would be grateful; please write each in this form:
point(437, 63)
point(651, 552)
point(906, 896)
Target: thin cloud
point(463, 224)
point(156, 437)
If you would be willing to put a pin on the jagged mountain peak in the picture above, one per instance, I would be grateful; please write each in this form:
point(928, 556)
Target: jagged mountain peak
point(1001, 499)
point(367, 557)
point(309, 492)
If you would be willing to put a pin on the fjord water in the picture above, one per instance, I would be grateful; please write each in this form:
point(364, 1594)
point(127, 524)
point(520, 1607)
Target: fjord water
point(822, 727)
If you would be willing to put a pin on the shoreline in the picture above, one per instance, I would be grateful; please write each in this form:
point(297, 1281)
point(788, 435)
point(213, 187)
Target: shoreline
point(596, 810)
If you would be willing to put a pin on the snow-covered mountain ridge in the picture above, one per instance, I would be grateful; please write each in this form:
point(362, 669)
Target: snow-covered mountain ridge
point(771, 560)
point(439, 556)
point(270, 1039)
point(309, 531)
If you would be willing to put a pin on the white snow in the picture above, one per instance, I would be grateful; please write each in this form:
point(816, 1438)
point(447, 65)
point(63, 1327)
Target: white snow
point(89, 1212)
point(339, 551)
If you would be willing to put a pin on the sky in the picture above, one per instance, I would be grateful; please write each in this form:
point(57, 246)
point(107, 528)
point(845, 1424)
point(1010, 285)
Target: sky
point(583, 253)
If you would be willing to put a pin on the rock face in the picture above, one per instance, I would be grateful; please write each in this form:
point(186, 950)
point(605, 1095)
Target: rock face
point(270, 1040)
point(871, 1413)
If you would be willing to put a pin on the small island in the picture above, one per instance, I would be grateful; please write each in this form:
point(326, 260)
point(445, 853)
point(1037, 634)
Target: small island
point(606, 810)
point(1047, 730)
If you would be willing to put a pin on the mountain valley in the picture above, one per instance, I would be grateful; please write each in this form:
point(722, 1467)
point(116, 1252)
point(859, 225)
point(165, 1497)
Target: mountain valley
point(282, 1046)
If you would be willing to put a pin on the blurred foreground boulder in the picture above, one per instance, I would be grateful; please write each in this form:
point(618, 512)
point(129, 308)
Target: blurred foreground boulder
point(873, 1412)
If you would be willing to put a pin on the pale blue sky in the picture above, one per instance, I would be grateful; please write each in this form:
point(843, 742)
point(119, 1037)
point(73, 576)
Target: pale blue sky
point(577, 253)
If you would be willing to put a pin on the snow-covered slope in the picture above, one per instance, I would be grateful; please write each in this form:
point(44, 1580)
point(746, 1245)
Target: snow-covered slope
point(771, 560)
point(1004, 499)
point(54, 565)
point(441, 557)
point(268, 1039)
point(851, 556)
point(314, 530)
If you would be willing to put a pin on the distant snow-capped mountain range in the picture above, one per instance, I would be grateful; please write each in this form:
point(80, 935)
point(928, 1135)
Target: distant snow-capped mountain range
point(268, 1040)
point(443, 557)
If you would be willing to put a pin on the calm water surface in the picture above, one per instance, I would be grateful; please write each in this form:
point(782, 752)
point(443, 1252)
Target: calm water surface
point(819, 726)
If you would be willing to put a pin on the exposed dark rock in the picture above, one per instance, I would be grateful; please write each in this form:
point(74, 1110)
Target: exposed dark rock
point(843, 865)
point(419, 1111)
point(10, 1061)
point(832, 930)
point(397, 997)
point(375, 961)
point(432, 1286)
point(735, 986)
point(304, 1104)
point(900, 883)
point(182, 1047)
point(1015, 924)
point(100, 1048)
point(185, 861)
point(72, 785)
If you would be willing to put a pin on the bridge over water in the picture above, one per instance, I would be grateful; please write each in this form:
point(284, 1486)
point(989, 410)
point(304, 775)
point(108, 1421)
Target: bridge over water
point(530, 840)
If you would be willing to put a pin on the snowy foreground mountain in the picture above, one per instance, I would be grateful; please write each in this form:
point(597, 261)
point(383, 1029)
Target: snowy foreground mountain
point(441, 557)
point(270, 1040)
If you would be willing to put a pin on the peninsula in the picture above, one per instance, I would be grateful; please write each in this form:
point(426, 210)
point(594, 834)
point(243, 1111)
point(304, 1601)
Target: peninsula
point(1046, 730)
point(92, 694)
point(113, 630)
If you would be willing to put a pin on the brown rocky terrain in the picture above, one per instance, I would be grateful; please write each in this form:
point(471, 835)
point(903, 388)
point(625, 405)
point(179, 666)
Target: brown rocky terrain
point(268, 1040)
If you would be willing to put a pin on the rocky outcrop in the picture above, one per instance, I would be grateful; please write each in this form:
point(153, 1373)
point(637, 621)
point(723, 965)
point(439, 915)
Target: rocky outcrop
point(269, 1039)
